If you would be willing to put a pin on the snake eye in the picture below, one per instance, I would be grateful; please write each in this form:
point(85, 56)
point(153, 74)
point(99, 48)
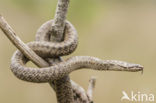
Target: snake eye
point(139, 67)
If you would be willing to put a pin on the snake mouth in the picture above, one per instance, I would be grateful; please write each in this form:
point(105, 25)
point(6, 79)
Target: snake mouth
point(141, 68)
point(130, 68)
point(137, 68)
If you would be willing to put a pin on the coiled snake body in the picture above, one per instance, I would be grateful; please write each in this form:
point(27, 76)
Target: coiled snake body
point(47, 49)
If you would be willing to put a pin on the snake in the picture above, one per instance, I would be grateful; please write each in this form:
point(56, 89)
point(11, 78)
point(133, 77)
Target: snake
point(46, 49)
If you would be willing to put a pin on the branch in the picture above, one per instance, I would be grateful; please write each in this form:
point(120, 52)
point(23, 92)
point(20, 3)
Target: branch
point(62, 86)
point(28, 52)
point(59, 21)
point(91, 87)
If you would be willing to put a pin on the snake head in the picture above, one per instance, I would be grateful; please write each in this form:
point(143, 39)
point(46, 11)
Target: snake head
point(136, 67)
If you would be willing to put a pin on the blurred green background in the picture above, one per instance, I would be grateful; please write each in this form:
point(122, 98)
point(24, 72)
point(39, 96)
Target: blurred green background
point(109, 29)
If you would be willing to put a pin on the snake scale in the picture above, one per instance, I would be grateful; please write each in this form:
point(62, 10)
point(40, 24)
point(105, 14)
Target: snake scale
point(47, 49)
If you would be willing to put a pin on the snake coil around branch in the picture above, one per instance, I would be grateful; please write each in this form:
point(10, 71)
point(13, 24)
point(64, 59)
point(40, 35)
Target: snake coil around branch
point(46, 49)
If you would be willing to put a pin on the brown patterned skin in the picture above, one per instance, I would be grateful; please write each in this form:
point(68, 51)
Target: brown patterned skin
point(47, 49)
point(60, 70)
point(44, 48)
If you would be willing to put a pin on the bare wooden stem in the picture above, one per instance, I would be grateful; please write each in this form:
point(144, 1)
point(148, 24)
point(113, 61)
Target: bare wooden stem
point(63, 86)
point(59, 21)
point(91, 87)
point(28, 52)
